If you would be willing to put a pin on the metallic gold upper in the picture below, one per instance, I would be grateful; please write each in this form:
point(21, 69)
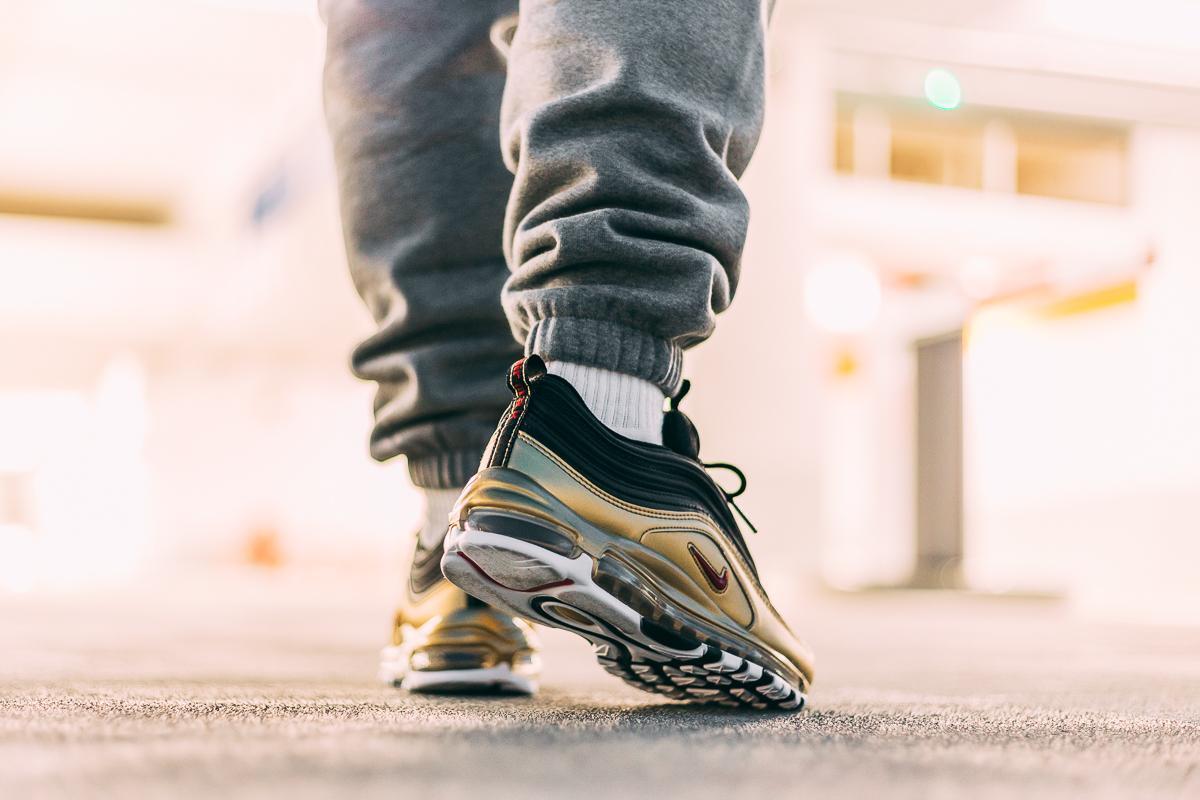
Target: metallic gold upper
point(440, 628)
point(684, 551)
point(473, 638)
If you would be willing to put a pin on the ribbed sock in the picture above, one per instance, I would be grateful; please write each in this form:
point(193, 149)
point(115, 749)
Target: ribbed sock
point(631, 406)
point(438, 504)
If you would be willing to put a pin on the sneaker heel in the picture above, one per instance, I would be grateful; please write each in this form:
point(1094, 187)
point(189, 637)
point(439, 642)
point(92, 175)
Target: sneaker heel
point(497, 555)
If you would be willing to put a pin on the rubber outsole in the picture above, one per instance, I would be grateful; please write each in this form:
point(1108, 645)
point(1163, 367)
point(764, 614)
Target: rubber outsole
point(395, 671)
point(661, 652)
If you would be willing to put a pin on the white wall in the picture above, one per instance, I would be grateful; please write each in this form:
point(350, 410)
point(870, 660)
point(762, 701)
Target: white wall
point(1084, 461)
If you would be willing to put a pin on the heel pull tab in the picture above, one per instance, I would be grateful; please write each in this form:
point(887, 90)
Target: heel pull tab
point(521, 376)
point(524, 372)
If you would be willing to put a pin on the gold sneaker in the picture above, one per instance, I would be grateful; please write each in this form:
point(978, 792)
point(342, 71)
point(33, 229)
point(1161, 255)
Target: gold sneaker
point(445, 641)
point(630, 545)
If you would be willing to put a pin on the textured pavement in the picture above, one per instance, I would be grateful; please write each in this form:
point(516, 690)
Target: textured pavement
point(248, 686)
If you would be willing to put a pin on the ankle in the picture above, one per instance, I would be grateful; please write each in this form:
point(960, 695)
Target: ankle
point(435, 519)
point(628, 405)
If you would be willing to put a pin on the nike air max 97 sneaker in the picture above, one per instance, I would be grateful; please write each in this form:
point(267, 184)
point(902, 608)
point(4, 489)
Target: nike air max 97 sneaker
point(445, 641)
point(631, 545)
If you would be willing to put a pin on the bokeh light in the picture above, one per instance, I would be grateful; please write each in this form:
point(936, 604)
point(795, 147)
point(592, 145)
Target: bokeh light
point(942, 89)
point(842, 294)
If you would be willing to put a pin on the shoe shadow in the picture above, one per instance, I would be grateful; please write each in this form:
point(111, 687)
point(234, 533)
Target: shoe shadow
point(474, 693)
point(573, 706)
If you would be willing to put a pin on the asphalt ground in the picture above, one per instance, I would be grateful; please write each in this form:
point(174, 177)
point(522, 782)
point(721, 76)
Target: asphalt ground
point(265, 688)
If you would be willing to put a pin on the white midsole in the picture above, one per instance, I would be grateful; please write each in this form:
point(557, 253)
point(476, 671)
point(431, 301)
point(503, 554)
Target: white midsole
point(583, 592)
point(516, 571)
point(394, 670)
point(500, 677)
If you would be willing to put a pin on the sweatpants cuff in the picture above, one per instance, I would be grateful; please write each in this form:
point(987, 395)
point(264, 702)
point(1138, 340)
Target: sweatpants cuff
point(450, 469)
point(608, 345)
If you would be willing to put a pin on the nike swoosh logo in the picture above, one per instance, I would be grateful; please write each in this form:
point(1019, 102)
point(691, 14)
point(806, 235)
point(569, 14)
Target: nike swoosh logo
point(719, 581)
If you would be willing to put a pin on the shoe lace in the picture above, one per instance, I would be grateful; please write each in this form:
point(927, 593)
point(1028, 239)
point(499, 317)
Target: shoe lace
point(729, 496)
point(680, 435)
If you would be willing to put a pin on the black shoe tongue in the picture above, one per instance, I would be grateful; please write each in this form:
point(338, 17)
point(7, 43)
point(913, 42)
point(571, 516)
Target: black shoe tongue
point(680, 435)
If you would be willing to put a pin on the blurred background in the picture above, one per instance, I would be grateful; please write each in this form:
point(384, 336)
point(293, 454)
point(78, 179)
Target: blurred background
point(975, 223)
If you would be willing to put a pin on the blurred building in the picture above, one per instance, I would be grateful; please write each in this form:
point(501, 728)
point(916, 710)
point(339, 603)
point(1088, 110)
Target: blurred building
point(964, 347)
point(175, 313)
point(989, 210)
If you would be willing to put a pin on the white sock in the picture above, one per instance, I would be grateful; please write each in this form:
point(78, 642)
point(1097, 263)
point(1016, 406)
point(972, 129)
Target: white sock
point(631, 406)
point(438, 504)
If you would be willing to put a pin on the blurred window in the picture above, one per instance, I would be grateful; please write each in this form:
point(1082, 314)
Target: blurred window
point(1046, 155)
point(1072, 161)
point(946, 154)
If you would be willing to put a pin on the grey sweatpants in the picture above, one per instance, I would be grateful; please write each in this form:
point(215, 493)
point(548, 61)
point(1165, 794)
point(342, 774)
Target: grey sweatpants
point(571, 190)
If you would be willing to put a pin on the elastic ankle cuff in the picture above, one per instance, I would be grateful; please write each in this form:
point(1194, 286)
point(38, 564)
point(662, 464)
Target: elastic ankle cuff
point(449, 469)
point(608, 345)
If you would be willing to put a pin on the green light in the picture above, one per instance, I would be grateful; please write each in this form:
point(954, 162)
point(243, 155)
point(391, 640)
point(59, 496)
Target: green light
point(942, 89)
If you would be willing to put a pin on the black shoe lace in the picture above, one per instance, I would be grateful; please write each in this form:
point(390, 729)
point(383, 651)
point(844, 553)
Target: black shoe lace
point(729, 496)
point(680, 435)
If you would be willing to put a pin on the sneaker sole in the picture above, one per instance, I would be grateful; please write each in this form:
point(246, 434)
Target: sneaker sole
point(637, 636)
point(394, 671)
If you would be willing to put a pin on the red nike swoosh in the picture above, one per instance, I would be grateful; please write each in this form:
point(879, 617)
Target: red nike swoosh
point(718, 580)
